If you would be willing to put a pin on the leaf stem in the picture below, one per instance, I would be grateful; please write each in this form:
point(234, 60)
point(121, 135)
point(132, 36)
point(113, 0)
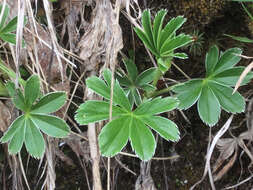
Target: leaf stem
point(158, 74)
point(159, 92)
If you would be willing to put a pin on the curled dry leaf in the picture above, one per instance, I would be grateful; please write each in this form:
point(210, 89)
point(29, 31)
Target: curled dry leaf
point(228, 148)
point(5, 117)
point(243, 75)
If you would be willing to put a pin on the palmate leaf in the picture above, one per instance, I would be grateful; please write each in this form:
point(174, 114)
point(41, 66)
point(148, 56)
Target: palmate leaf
point(214, 92)
point(27, 127)
point(162, 42)
point(130, 125)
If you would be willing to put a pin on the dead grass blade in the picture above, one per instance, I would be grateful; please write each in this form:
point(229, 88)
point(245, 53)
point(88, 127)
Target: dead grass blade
point(210, 151)
point(48, 11)
point(50, 159)
point(242, 76)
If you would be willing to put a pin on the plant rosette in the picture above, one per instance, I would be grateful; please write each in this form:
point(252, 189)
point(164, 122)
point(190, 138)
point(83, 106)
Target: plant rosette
point(127, 124)
point(162, 42)
point(35, 118)
point(214, 91)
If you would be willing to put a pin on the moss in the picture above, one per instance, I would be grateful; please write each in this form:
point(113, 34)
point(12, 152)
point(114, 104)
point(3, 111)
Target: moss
point(198, 12)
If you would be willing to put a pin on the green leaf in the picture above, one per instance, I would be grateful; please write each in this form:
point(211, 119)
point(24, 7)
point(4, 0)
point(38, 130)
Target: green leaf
point(34, 140)
point(131, 69)
point(187, 86)
point(190, 92)
point(94, 111)
point(13, 129)
point(164, 64)
point(146, 76)
point(208, 106)
point(51, 125)
point(171, 27)
point(178, 41)
point(5, 14)
point(17, 140)
point(233, 103)
point(120, 98)
point(156, 106)
point(10, 27)
point(11, 73)
point(148, 87)
point(143, 36)
point(228, 59)
point(9, 37)
point(166, 128)
point(123, 80)
point(180, 55)
point(142, 140)
point(240, 38)
point(229, 77)
point(157, 27)
point(211, 59)
point(137, 96)
point(32, 90)
point(98, 85)
point(16, 95)
point(3, 89)
point(146, 23)
point(114, 136)
point(49, 103)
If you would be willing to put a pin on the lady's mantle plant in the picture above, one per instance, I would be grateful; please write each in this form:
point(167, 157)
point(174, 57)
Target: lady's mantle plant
point(26, 128)
point(163, 42)
point(214, 91)
point(134, 83)
point(127, 124)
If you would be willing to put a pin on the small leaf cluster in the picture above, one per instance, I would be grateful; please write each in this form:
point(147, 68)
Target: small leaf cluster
point(7, 29)
point(35, 118)
point(134, 83)
point(127, 124)
point(162, 42)
point(214, 91)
